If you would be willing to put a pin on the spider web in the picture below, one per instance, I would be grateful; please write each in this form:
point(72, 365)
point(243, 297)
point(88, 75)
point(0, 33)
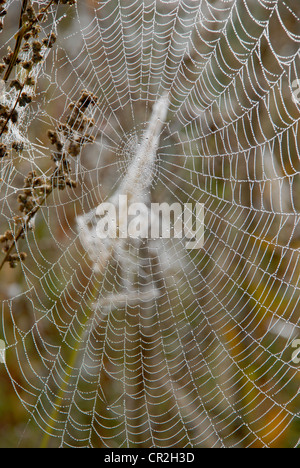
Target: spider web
point(160, 346)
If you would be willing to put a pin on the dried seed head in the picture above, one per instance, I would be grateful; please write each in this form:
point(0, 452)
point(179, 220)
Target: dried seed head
point(28, 180)
point(4, 111)
point(26, 47)
point(3, 150)
point(30, 81)
point(16, 84)
point(64, 129)
point(30, 13)
point(14, 116)
point(23, 256)
point(37, 57)
point(59, 146)
point(19, 147)
point(86, 99)
point(71, 183)
point(86, 139)
point(3, 129)
point(9, 235)
point(50, 40)
point(27, 36)
point(36, 46)
point(37, 182)
point(7, 58)
point(74, 148)
point(22, 198)
point(3, 239)
point(35, 30)
point(27, 65)
point(53, 137)
point(14, 257)
point(24, 99)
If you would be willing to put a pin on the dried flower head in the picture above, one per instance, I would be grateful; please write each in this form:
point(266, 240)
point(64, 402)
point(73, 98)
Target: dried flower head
point(27, 65)
point(14, 116)
point(4, 111)
point(3, 150)
point(50, 40)
point(74, 148)
point(30, 81)
point(24, 99)
point(16, 84)
point(18, 147)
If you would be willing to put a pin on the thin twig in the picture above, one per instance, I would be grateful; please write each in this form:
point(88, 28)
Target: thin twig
point(20, 35)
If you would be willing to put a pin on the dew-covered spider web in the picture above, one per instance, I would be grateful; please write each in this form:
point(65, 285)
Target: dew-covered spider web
point(144, 343)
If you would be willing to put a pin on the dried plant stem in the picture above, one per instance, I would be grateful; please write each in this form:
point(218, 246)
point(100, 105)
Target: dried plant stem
point(29, 217)
point(19, 37)
point(60, 178)
point(23, 228)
